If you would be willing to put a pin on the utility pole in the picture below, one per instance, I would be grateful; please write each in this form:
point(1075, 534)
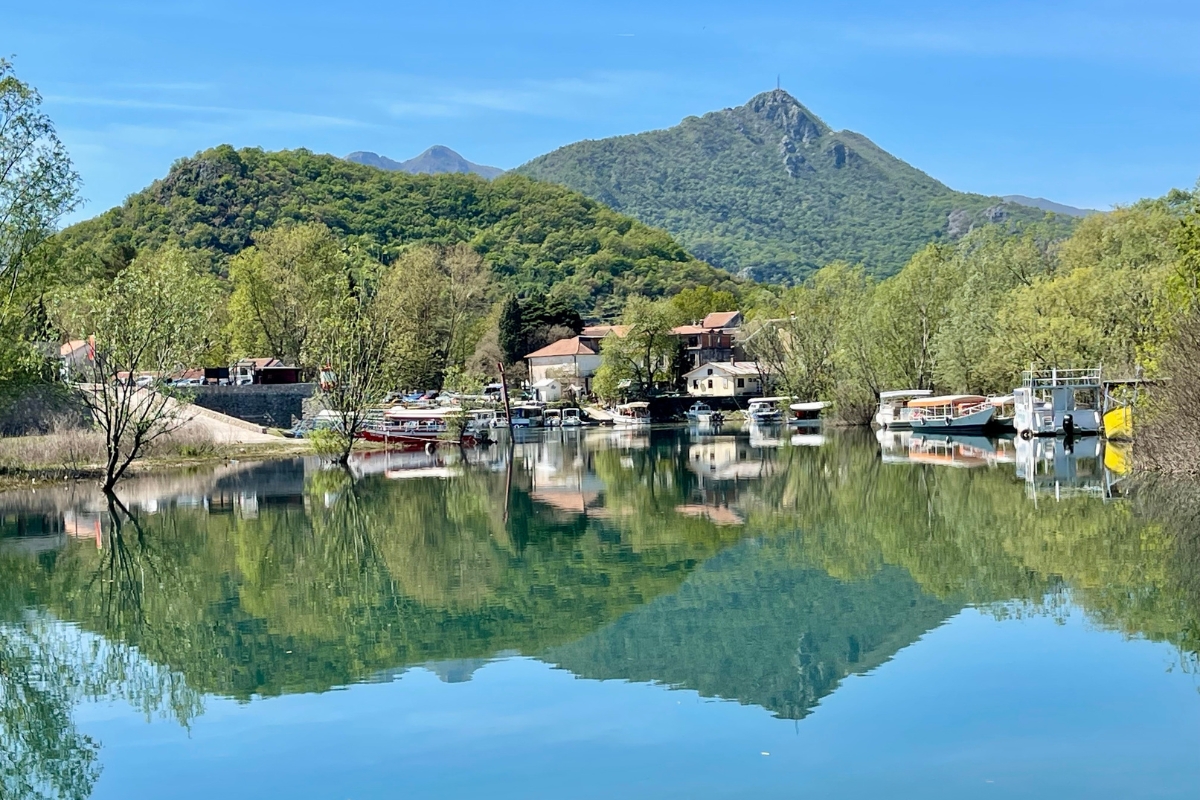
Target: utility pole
point(504, 397)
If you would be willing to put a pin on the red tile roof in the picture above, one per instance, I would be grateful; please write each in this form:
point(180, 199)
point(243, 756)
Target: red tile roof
point(598, 331)
point(688, 330)
point(720, 319)
point(71, 346)
point(563, 347)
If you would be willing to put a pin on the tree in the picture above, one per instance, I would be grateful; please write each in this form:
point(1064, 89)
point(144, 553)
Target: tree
point(512, 330)
point(283, 286)
point(38, 188)
point(909, 309)
point(644, 353)
point(697, 302)
point(152, 320)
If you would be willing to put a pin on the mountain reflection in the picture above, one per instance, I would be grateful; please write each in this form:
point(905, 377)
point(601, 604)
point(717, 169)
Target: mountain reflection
point(761, 568)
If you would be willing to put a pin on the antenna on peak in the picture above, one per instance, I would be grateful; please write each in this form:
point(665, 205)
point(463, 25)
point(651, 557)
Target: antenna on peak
point(777, 82)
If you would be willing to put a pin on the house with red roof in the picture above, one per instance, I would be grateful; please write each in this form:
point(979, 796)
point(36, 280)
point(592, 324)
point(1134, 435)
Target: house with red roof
point(572, 361)
point(714, 338)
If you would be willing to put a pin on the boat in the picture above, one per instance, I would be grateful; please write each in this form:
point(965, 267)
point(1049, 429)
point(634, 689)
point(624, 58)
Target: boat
point(1002, 421)
point(1058, 402)
point(552, 418)
point(765, 410)
point(404, 428)
point(807, 415)
point(951, 413)
point(632, 415)
point(699, 410)
point(894, 413)
point(572, 418)
point(527, 415)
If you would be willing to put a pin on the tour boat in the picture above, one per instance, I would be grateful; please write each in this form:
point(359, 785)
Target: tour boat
point(765, 410)
point(951, 413)
point(1059, 402)
point(807, 415)
point(402, 428)
point(894, 413)
point(632, 415)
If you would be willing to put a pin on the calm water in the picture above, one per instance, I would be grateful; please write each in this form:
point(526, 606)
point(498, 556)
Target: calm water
point(607, 614)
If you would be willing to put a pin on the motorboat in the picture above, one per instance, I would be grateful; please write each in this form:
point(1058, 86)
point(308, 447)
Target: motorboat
point(552, 418)
point(807, 415)
point(571, 418)
point(1059, 402)
point(527, 415)
point(894, 413)
point(701, 413)
point(632, 415)
point(765, 410)
point(951, 413)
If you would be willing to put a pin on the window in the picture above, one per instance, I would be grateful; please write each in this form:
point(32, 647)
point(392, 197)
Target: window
point(693, 341)
point(695, 384)
point(741, 383)
point(710, 370)
point(710, 383)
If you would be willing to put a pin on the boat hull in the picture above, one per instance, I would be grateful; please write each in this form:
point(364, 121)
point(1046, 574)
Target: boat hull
point(414, 441)
point(977, 422)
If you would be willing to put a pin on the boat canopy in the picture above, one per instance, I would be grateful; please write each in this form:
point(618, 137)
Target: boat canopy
point(816, 405)
point(1003, 400)
point(762, 400)
point(400, 412)
point(897, 394)
point(639, 404)
point(947, 400)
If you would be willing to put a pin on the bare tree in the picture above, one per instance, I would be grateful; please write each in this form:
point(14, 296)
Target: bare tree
point(148, 323)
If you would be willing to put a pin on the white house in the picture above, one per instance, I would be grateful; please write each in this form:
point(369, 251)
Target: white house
point(725, 379)
point(547, 390)
point(572, 361)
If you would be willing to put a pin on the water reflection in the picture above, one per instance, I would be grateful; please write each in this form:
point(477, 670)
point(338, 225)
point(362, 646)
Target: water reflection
point(744, 565)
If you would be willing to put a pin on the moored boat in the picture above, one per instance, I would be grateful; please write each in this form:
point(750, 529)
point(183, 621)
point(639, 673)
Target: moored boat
point(894, 412)
point(765, 410)
point(951, 413)
point(807, 415)
point(1058, 402)
point(404, 428)
point(632, 415)
point(572, 418)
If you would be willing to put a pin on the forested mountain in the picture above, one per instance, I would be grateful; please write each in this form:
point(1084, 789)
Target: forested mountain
point(434, 161)
point(768, 190)
point(1049, 205)
point(533, 235)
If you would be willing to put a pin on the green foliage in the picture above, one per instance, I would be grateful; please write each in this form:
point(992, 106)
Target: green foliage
point(767, 190)
point(532, 235)
point(693, 305)
point(645, 354)
point(512, 330)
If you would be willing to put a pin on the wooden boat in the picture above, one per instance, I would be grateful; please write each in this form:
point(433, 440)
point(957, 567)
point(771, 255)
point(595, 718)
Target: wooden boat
point(405, 428)
point(807, 415)
point(951, 413)
point(894, 413)
point(632, 415)
point(765, 410)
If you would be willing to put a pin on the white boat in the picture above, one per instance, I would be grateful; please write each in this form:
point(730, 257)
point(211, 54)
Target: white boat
point(894, 413)
point(527, 416)
point(572, 418)
point(552, 418)
point(699, 410)
point(765, 410)
point(951, 413)
point(807, 415)
point(632, 415)
point(1058, 402)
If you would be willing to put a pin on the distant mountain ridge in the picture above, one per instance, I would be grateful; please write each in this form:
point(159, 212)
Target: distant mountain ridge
point(1050, 205)
point(436, 160)
point(769, 191)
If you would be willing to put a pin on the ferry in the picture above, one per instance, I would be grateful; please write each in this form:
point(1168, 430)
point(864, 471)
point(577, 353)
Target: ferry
point(404, 428)
point(951, 413)
point(894, 413)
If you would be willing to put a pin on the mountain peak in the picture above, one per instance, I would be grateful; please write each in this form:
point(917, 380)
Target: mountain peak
point(779, 110)
point(435, 160)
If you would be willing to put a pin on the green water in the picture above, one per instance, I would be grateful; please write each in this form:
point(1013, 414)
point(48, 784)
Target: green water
point(515, 622)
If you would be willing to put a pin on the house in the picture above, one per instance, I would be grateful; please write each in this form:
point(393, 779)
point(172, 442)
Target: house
point(725, 379)
point(547, 390)
point(711, 339)
point(74, 357)
point(571, 360)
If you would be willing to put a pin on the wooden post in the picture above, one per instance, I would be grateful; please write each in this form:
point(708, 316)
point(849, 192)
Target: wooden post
point(504, 397)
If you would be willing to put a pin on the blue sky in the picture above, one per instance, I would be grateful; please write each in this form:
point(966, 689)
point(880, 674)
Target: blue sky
point(1087, 103)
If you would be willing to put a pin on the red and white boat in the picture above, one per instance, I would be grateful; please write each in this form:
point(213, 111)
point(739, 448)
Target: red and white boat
point(412, 428)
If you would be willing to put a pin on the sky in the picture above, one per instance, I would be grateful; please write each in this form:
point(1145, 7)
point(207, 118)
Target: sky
point(1086, 103)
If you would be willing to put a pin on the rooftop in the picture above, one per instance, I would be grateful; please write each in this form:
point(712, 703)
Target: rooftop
point(564, 347)
point(720, 319)
point(729, 368)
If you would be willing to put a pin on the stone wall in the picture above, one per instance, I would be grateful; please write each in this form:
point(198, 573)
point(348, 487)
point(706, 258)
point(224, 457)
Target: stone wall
point(272, 405)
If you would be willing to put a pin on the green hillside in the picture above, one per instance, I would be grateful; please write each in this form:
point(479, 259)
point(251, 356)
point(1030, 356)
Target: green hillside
point(769, 191)
point(533, 235)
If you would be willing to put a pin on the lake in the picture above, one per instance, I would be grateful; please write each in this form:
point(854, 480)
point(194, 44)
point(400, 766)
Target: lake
point(598, 613)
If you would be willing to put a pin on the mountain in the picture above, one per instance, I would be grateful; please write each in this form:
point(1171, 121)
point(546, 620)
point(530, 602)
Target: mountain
point(534, 235)
point(1049, 205)
point(770, 191)
point(434, 161)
